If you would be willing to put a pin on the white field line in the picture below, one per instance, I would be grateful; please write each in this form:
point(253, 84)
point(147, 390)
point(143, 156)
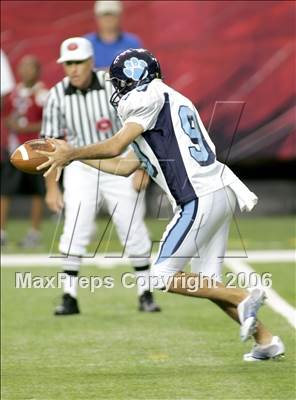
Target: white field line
point(44, 260)
point(111, 261)
point(262, 256)
point(234, 260)
point(274, 300)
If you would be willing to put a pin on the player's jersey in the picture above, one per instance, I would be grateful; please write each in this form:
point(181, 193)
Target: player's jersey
point(26, 105)
point(175, 147)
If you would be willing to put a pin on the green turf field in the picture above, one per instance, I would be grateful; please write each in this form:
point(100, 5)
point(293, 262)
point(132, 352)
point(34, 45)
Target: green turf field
point(111, 351)
point(250, 233)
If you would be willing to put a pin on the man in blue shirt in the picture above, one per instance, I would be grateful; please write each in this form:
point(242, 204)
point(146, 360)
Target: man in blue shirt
point(109, 40)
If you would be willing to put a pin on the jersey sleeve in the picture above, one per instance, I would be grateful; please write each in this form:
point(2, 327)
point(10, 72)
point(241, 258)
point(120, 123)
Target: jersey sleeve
point(141, 106)
point(41, 95)
point(7, 78)
point(52, 119)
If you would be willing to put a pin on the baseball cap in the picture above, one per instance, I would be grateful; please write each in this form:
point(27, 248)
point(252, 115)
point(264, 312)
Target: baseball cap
point(75, 49)
point(108, 7)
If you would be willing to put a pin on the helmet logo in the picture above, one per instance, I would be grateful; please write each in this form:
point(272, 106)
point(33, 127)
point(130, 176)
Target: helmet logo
point(72, 46)
point(134, 68)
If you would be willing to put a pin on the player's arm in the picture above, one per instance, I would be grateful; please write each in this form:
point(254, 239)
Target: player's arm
point(123, 166)
point(110, 148)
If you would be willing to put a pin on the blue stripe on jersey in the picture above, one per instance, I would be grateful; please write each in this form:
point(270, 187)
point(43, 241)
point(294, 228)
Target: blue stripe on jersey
point(179, 231)
point(163, 143)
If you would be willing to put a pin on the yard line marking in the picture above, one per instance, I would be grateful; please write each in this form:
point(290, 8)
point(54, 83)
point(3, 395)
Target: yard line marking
point(263, 256)
point(115, 259)
point(44, 260)
point(232, 260)
point(274, 300)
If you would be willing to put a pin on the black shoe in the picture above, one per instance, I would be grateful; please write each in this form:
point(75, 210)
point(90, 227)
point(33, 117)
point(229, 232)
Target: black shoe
point(146, 303)
point(69, 306)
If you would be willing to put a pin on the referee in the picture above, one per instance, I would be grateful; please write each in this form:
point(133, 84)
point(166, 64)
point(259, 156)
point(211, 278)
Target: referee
point(78, 110)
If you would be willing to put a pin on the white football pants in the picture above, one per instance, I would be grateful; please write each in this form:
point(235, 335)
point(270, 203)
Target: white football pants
point(84, 190)
point(198, 233)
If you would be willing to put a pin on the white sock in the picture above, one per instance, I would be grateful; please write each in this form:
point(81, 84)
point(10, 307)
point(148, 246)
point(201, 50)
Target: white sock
point(71, 263)
point(143, 282)
point(71, 268)
point(70, 285)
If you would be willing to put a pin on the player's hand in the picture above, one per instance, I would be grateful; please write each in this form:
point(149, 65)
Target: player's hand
point(140, 180)
point(57, 159)
point(54, 199)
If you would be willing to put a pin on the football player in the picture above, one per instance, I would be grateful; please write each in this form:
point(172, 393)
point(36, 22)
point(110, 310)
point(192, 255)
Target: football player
point(170, 141)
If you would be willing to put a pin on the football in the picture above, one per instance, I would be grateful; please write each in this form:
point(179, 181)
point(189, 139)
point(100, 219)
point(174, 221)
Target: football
point(25, 158)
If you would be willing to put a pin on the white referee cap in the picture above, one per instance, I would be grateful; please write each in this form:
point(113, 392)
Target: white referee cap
point(108, 7)
point(75, 49)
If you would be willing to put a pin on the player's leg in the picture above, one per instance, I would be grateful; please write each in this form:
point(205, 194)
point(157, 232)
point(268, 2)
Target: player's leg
point(210, 259)
point(261, 336)
point(189, 236)
point(80, 199)
point(5, 205)
point(34, 185)
point(186, 234)
point(10, 182)
point(127, 208)
point(228, 299)
point(266, 346)
point(211, 239)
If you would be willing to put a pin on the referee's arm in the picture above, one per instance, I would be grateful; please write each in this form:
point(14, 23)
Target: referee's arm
point(52, 127)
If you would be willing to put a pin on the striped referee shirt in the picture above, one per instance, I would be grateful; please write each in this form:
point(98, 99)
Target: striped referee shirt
point(82, 117)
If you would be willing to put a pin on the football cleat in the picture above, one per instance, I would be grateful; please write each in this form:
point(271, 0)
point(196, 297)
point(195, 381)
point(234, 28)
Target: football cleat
point(147, 304)
point(247, 312)
point(275, 350)
point(69, 306)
